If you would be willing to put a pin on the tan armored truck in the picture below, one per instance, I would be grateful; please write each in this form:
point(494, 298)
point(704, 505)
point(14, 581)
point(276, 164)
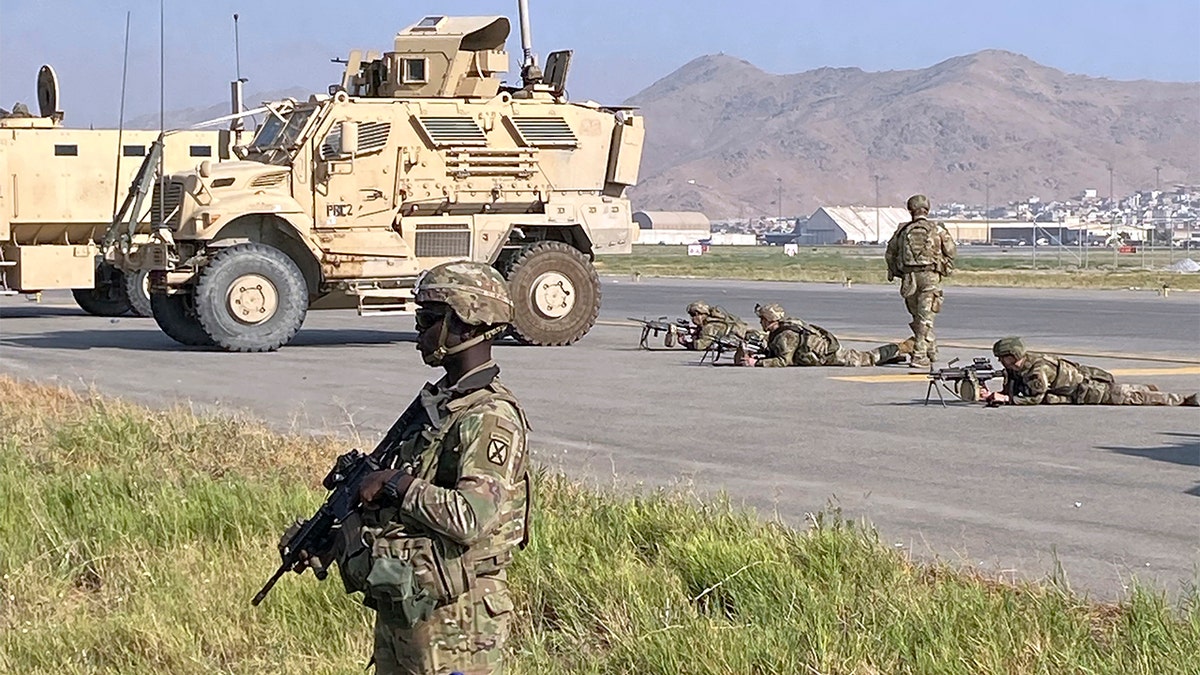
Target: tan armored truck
point(419, 156)
point(57, 187)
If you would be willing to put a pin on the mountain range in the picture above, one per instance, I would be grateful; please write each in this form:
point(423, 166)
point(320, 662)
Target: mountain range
point(727, 138)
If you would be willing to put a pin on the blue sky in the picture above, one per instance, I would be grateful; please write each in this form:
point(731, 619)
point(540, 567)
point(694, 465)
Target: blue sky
point(621, 46)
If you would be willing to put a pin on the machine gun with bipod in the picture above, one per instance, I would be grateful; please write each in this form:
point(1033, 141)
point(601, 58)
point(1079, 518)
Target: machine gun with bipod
point(673, 330)
point(962, 382)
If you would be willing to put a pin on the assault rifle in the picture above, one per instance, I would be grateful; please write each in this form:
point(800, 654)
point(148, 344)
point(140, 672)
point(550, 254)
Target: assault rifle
point(343, 481)
point(316, 533)
point(962, 381)
point(674, 330)
point(754, 344)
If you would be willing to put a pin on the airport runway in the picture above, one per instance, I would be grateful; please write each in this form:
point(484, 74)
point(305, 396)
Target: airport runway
point(1109, 493)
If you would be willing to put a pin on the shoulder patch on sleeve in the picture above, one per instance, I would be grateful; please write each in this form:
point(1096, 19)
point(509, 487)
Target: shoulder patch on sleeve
point(497, 451)
point(500, 433)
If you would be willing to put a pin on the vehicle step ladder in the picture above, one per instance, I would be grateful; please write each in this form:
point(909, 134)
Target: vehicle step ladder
point(376, 301)
point(5, 265)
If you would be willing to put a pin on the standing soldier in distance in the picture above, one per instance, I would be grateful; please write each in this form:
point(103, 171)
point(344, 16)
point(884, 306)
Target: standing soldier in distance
point(438, 527)
point(1041, 378)
point(920, 253)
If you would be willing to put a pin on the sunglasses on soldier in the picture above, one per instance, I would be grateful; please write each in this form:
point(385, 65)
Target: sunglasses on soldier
point(428, 317)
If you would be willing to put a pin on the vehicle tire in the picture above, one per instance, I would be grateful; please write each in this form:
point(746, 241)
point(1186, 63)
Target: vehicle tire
point(251, 298)
point(555, 292)
point(108, 297)
point(137, 289)
point(176, 315)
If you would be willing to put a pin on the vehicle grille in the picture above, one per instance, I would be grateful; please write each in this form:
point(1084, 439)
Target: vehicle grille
point(552, 132)
point(269, 180)
point(168, 207)
point(443, 244)
point(452, 131)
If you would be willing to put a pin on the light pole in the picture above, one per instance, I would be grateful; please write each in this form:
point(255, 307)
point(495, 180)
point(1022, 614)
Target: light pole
point(987, 198)
point(1157, 182)
point(876, 177)
point(779, 197)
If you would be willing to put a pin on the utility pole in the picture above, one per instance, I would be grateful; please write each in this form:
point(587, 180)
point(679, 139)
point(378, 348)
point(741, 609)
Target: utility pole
point(1157, 182)
point(1112, 204)
point(876, 177)
point(779, 196)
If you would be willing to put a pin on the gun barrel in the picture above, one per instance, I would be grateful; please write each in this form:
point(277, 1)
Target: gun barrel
point(262, 593)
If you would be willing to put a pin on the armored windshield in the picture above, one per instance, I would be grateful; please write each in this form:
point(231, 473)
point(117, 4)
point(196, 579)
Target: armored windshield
point(290, 135)
point(278, 138)
point(268, 132)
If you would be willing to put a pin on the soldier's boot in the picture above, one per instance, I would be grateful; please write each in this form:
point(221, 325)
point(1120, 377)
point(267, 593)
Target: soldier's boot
point(1153, 387)
point(886, 354)
point(1191, 400)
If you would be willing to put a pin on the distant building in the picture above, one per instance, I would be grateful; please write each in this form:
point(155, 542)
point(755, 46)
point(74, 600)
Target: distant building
point(852, 224)
point(672, 227)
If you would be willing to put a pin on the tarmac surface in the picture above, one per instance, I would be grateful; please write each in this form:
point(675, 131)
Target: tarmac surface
point(1106, 494)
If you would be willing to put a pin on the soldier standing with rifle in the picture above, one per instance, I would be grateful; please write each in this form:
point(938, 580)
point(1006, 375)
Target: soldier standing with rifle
point(438, 522)
point(921, 253)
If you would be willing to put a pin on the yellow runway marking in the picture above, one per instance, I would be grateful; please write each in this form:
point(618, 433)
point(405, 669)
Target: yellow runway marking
point(919, 375)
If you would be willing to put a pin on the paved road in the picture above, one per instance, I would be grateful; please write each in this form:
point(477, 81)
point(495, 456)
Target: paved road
point(1110, 493)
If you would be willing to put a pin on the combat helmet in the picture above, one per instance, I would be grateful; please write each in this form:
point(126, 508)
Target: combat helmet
point(771, 312)
point(918, 203)
point(699, 307)
point(475, 292)
point(1009, 346)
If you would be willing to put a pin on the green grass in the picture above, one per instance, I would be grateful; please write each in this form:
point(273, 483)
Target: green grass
point(982, 266)
point(131, 542)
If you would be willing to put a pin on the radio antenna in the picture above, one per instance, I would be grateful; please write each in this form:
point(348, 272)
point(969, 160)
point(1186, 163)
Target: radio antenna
point(121, 116)
point(162, 107)
point(237, 50)
point(237, 125)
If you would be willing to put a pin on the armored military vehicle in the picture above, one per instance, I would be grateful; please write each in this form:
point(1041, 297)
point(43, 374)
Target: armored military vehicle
point(418, 156)
point(57, 187)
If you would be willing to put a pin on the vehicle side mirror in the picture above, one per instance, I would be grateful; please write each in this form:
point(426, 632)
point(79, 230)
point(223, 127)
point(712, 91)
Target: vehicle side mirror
point(349, 141)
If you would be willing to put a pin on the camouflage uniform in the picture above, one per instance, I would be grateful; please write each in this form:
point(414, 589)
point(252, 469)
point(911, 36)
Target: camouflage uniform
point(1050, 379)
point(718, 323)
point(796, 343)
point(458, 523)
point(920, 253)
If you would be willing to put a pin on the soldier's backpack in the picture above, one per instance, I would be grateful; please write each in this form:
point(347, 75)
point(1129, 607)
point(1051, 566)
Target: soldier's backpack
point(821, 342)
point(1093, 373)
point(920, 245)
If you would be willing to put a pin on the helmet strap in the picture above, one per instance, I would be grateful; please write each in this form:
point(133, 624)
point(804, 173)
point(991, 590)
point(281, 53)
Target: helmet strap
point(439, 355)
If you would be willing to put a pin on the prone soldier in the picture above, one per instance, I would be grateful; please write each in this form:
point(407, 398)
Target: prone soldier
point(792, 342)
point(1040, 378)
point(920, 254)
point(712, 323)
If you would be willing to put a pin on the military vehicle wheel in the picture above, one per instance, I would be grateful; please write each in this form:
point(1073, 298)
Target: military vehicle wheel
point(108, 297)
point(176, 316)
point(555, 293)
point(137, 289)
point(251, 298)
